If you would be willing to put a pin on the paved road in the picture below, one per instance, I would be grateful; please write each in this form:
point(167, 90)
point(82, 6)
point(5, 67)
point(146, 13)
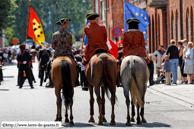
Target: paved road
point(39, 104)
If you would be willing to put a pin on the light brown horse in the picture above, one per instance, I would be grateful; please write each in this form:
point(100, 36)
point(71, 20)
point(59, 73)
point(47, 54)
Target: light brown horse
point(101, 74)
point(64, 75)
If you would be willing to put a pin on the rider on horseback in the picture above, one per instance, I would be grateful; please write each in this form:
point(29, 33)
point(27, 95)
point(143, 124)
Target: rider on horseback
point(62, 41)
point(133, 42)
point(97, 37)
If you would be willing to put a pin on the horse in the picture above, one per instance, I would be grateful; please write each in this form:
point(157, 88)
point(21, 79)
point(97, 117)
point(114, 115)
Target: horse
point(101, 73)
point(134, 77)
point(64, 75)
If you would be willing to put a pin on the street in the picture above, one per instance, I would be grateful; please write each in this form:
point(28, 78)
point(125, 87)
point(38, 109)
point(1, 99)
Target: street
point(39, 104)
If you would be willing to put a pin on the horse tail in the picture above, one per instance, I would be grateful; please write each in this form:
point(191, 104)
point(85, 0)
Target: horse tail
point(107, 79)
point(66, 78)
point(136, 97)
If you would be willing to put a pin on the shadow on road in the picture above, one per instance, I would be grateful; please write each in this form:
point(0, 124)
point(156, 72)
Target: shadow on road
point(4, 89)
point(80, 125)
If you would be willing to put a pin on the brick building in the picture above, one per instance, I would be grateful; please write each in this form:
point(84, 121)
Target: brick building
point(169, 19)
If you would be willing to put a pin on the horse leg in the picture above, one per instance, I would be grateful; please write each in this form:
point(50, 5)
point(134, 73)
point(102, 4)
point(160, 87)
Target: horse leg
point(126, 93)
point(99, 100)
point(138, 116)
point(91, 103)
point(59, 101)
point(142, 113)
point(112, 122)
point(132, 111)
point(71, 114)
point(66, 113)
point(103, 104)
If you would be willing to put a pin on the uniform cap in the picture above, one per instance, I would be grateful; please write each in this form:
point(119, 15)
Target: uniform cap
point(133, 20)
point(63, 21)
point(22, 46)
point(92, 16)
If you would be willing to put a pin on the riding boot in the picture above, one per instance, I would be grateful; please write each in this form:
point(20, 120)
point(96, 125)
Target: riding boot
point(118, 74)
point(85, 87)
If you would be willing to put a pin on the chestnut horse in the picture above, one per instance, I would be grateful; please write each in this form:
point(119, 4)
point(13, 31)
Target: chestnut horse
point(101, 73)
point(134, 77)
point(64, 75)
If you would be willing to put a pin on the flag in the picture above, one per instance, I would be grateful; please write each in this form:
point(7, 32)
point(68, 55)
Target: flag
point(133, 11)
point(113, 48)
point(86, 37)
point(35, 30)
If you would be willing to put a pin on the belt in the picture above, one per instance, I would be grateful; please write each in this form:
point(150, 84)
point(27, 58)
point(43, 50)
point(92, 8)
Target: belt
point(20, 62)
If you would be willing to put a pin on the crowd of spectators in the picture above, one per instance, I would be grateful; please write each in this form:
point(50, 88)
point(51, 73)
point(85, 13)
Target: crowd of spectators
point(180, 53)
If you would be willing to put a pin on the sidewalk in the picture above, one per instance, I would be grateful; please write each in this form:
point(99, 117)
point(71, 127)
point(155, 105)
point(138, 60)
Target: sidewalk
point(183, 93)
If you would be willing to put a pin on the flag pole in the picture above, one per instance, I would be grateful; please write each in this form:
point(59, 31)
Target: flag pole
point(27, 21)
point(83, 39)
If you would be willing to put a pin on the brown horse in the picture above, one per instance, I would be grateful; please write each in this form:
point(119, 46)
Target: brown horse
point(101, 74)
point(64, 75)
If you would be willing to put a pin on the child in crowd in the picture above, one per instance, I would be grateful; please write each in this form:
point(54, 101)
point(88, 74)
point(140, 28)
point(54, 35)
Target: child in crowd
point(167, 70)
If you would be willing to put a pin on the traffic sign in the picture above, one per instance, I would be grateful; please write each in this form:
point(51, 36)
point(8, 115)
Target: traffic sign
point(116, 31)
point(15, 41)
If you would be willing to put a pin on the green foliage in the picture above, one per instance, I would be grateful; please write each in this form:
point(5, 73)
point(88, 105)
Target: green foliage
point(16, 12)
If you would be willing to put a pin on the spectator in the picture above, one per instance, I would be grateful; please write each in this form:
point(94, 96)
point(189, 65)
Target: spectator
point(183, 64)
point(181, 48)
point(189, 62)
point(9, 56)
point(49, 47)
point(167, 70)
point(174, 59)
point(159, 56)
point(33, 46)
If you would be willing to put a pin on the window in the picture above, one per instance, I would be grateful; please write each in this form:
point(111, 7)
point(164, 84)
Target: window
point(102, 10)
point(96, 4)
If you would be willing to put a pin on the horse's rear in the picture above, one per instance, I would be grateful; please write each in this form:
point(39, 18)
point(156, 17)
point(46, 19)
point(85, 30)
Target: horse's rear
point(64, 75)
point(134, 77)
point(101, 73)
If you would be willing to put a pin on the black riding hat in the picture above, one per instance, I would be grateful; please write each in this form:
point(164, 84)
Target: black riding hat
point(63, 21)
point(134, 20)
point(92, 16)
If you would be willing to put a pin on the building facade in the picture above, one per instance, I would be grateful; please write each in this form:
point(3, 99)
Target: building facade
point(169, 19)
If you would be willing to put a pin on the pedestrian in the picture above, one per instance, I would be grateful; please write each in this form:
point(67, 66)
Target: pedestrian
point(189, 62)
point(159, 56)
point(167, 70)
point(1, 64)
point(9, 56)
point(44, 57)
point(181, 48)
point(184, 76)
point(49, 47)
point(23, 59)
point(174, 59)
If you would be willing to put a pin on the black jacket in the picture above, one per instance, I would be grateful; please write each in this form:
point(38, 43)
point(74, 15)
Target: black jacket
point(23, 56)
point(44, 56)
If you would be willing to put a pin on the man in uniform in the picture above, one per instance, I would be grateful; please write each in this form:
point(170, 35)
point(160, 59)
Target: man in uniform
point(43, 56)
point(23, 59)
point(97, 37)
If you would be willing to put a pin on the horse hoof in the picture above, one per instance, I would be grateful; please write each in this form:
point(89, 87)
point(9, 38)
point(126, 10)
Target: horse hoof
point(58, 119)
point(128, 124)
point(144, 120)
point(132, 120)
point(112, 122)
point(99, 123)
point(91, 120)
point(66, 120)
point(139, 122)
point(71, 123)
point(104, 119)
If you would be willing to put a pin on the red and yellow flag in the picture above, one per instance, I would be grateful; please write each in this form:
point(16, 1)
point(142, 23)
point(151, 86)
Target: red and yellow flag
point(35, 30)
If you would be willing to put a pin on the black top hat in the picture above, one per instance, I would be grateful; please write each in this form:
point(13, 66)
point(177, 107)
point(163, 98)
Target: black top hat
point(134, 20)
point(63, 21)
point(92, 16)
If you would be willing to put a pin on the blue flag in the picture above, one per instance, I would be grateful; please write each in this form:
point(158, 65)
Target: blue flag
point(133, 11)
point(86, 37)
